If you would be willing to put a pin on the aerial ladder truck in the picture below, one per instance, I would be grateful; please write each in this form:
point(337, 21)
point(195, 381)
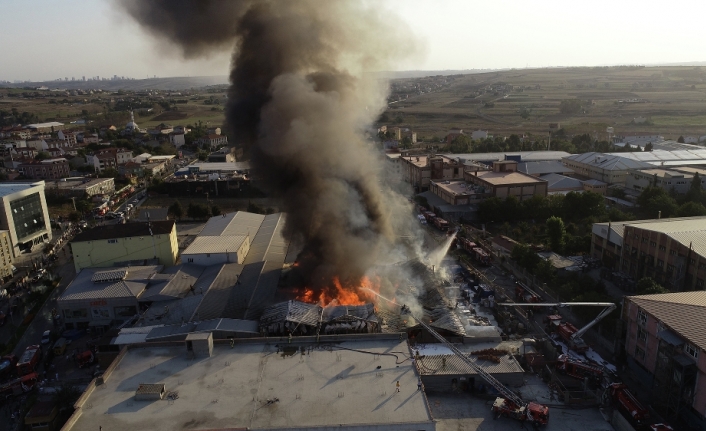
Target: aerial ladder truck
point(566, 330)
point(509, 405)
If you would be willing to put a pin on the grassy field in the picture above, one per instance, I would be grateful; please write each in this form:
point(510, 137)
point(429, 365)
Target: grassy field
point(672, 98)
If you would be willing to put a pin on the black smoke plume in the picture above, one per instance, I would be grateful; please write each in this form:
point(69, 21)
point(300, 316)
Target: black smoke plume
point(300, 101)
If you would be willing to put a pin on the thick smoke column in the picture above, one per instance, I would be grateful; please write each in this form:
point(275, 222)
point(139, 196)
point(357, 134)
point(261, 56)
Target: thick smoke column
point(300, 101)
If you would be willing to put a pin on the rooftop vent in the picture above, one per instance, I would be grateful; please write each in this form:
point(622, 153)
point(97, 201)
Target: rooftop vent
point(150, 391)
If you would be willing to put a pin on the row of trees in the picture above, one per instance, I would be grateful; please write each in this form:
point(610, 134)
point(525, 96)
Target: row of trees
point(194, 211)
point(655, 201)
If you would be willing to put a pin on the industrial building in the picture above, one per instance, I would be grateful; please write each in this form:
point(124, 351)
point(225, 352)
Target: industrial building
point(101, 297)
point(5, 254)
point(342, 384)
point(670, 251)
point(82, 187)
point(665, 344)
point(608, 168)
point(504, 181)
point(676, 179)
point(125, 243)
point(209, 250)
point(23, 212)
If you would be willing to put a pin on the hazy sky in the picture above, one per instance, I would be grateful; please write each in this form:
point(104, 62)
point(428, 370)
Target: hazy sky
point(47, 39)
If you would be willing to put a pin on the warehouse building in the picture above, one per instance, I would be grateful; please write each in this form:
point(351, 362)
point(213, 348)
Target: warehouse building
point(676, 180)
point(125, 243)
point(670, 251)
point(23, 212)
point(665, 344)
point(101, 297)
point(608, 168)
point(209, 250)
point(83, 187)
point(343, 384)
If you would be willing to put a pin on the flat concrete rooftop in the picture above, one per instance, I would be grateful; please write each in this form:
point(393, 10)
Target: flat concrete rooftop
point(502, 178)
point(256, 385)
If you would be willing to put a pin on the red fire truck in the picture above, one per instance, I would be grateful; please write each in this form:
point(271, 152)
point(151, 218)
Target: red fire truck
point(578, 369)
point(481, 256)
point(84, 358)
point(441, 224)
point(19, 385)
point(466, 244)
point(628, 404)
point(525, 294)
point(29, 360)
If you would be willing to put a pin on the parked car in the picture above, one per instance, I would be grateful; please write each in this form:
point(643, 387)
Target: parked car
point(46, 337)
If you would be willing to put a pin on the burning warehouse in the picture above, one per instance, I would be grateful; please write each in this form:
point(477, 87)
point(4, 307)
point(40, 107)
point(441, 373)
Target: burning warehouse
point(300, 318)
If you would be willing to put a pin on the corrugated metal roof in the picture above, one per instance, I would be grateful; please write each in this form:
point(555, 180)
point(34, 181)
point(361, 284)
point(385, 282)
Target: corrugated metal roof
point(215, 244)
point(219, 296)
point(543, 167)
point(432, 365)
point(291, 311)
point(175, 282)
point(608, 161)
point(126, 230)
point(135, 282)
point(237, 223)
point(683, 312)
point(558, 181)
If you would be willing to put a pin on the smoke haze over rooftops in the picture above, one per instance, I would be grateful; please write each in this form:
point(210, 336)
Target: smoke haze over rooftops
point(300, 102)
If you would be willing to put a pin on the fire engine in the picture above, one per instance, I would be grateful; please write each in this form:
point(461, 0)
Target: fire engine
point(578, 369)
point(481, 256)
point(441, 224)
point(19, 385)
point(84, 358)
point(628, 404)
point(524, 294)
point(509, 405)
point(29, 360)
point(565, 330)
point(466, 244)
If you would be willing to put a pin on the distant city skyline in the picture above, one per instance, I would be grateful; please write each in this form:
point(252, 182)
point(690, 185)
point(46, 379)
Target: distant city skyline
point(74, 38)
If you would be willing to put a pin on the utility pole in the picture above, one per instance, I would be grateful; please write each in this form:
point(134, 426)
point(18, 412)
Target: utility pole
point(73, 199)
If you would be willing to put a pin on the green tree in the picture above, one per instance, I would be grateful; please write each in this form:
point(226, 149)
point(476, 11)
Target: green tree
point(109, 173)
point(406, 143)
point(176, 210)
point(695, 193)
point(654, 200)
point(215, 210)
point(570, 106)
point(649, 146)
point(42, 155)
point(680, 139)
point(691, 209)
point(556, 233)
point(460, 144)
point(197, 211)
point(647, 286)
point(74, 216)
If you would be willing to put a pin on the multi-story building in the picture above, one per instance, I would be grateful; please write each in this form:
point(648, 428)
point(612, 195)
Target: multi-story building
point(213, 141)
point(670, 251)
point(23, 212)
point(50, 169)
point(68, 137)
point(665, 343)
point(504, 181)
point(109, 158)
point(122, 243)
point(674, 179)
point(419, 171)
point(84, 187)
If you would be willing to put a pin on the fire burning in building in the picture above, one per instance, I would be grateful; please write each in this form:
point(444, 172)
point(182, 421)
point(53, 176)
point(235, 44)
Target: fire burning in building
point(366, 291)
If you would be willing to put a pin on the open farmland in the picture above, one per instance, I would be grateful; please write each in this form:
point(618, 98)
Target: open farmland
point(671, 99)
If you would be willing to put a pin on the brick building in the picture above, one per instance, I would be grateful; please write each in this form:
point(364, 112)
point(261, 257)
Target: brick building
point(665, 345)
point(670, 251)
point(50, 169)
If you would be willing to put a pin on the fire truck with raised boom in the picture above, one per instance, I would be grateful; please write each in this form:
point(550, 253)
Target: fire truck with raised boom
point(509, 405)
point(19, 385)
point(565, 330)
point(578, 369)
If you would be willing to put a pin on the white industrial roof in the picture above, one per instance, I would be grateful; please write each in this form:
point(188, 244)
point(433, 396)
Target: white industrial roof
point(237, 223)
point(607, 161)
point(215, 244)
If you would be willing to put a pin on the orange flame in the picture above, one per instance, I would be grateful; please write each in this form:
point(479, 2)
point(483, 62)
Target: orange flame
point(338, 294)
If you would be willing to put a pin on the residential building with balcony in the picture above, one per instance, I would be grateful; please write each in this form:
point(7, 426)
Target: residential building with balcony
point(665, 344)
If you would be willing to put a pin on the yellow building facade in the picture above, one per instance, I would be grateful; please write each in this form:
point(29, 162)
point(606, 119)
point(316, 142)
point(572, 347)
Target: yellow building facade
point(126, 244)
